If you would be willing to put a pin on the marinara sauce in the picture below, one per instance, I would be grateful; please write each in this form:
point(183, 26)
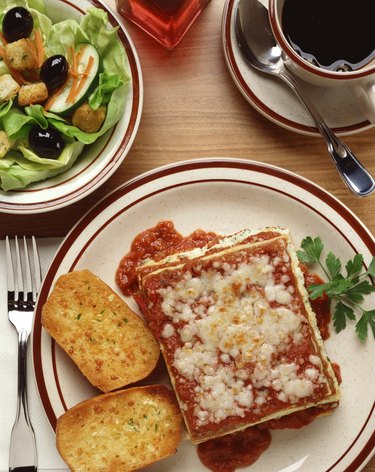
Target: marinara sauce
point(156, 243)
point(227, 453)
point(241, 449)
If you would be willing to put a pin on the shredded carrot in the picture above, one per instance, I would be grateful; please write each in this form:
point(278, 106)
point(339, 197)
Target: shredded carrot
point(70, 96)
point(2, 52)
point(32, 75)
point(86, 73)
point(72, 58)
point(38, 41)
point(79, 56)
point(3, 40)
point(17, 76)
point(78, 80)
point(33, 50)
point(74, 73)
point(50, 102)
point(53, 97)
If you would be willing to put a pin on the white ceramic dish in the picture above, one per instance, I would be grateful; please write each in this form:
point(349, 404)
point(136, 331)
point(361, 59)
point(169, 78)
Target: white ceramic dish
point(224, 195)
point(277, 102)
point(99, 160)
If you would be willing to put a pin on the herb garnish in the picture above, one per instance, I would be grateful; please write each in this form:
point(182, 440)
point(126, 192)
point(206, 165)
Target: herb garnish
point(347, 290)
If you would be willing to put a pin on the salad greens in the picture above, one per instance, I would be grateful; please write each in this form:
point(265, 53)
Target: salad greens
point(21, 166)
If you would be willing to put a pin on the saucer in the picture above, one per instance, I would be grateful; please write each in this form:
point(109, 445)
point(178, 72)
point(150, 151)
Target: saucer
point(273, 99)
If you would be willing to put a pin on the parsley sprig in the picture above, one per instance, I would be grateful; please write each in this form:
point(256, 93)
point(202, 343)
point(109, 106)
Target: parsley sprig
point(348, 291)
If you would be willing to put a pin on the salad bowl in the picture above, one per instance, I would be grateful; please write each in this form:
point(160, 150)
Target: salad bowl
point(88, 159)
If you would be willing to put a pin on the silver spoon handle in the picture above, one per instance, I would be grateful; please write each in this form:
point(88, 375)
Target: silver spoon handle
point(353, 173)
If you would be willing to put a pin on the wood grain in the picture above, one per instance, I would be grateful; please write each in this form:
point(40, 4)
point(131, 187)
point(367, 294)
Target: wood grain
point(192, 109)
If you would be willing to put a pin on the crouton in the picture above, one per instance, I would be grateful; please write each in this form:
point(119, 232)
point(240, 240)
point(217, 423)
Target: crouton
point(111, 345)
point(87, 119)
point(120, 431)
point(30, 94)
point(8, 88)
point(21, 54)
point(5, 144)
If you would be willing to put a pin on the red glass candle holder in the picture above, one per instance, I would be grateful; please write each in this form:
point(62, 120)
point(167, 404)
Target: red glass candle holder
point(166, 20)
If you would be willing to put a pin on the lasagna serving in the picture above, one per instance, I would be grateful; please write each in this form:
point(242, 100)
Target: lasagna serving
point(237, 332)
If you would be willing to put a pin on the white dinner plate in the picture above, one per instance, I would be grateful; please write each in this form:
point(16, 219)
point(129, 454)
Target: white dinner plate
point(273, 99)
point(100, 160)
point(224, 195)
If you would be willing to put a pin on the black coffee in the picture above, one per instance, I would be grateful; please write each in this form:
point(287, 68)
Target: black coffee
point(332, 34)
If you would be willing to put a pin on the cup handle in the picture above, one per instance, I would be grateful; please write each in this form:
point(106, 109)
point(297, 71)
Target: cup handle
point(365, 94)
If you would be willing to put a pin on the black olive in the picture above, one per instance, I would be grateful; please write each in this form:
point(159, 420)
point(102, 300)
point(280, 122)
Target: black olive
point(54, 71)
point(46, 143)
point(17, 24)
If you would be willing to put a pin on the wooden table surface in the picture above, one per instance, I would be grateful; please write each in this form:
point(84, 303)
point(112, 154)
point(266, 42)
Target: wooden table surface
point(193, 109)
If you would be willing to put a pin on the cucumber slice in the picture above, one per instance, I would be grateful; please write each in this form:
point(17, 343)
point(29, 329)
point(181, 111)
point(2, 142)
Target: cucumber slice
point(61, 105)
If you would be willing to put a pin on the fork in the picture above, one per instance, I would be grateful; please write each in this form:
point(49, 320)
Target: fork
point(24, 279)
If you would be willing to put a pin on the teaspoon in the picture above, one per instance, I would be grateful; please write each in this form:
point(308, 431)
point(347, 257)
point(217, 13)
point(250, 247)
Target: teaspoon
point(258, 47)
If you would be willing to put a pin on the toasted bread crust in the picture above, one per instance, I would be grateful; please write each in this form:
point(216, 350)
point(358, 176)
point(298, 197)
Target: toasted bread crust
point(110, 344)
point(120, 431)
point(21, 54)
point(31, 94)
point(8, 87)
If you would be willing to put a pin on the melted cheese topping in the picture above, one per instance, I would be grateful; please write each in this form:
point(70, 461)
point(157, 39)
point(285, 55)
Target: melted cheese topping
point(233, 321)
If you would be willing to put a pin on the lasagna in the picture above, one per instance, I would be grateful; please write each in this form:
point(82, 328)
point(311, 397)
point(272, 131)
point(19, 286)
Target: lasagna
point(237, 332)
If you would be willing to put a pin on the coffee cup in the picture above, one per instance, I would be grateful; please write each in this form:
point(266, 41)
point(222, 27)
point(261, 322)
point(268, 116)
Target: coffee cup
point(329, 44)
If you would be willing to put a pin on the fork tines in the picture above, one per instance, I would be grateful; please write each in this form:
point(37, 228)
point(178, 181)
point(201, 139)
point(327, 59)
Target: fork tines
point(23, 269)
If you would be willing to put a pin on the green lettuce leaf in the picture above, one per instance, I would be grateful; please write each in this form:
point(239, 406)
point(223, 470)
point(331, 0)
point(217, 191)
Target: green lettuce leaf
point(29, 160)
point(106, 41)
point(115, 109)
point(93, 29)
point(17, 123)
point(37, 5)
point(7, 162)
point(19, 170)
point(3, 68)
point(64, 35)
point(107, 84)
point(5, 107)
point(42, 23)
point(7, 4)
point(29, 4)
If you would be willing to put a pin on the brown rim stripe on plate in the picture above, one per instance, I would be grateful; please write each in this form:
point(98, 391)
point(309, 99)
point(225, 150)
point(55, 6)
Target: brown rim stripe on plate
point(246, 90)
point(365, 452)
point(363, 456)
point(56, 375)
point(304, 184)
